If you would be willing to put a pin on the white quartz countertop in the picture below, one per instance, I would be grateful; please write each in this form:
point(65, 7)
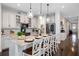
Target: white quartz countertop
point(21, 42)
point(15, 40)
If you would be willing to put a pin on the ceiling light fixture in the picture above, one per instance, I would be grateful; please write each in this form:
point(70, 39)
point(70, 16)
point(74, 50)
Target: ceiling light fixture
point(69, 16)
point(47, 16)
point(18, 4)
point(62, 6)
point(30, 15)
point(40, 17)
point(47, 9)
point(48, 19)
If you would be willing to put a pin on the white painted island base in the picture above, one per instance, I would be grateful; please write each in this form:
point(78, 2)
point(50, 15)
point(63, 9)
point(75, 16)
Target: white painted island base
point(15, 46)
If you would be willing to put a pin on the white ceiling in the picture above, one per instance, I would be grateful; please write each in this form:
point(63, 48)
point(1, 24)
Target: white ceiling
point(73, 19)
point(70, 10)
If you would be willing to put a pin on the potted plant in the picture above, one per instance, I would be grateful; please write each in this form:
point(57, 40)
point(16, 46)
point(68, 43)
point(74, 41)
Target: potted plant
point(20, 35)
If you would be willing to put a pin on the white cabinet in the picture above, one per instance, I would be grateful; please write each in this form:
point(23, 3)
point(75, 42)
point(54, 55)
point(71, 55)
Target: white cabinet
point(5, 19)
point(0, 25)
point(12, 49)
point(24, 19)
point(12, 19)
point(4, 42)
point(8, 18)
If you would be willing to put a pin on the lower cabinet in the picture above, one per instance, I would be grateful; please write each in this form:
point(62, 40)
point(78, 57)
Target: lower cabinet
point(4, 43)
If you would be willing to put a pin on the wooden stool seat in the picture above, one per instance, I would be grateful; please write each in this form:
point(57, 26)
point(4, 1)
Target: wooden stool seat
point(28, 51)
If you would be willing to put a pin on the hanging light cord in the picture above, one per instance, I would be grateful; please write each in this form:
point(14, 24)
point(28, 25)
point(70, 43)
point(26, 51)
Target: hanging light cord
point(30, 8)
point(47, 9)
point(40, 8)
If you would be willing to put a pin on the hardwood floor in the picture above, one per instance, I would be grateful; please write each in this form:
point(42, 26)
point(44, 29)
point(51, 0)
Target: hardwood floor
point(0, 53)
point(70, 47)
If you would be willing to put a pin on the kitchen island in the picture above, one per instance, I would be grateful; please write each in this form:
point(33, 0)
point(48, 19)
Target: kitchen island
point(16, 46)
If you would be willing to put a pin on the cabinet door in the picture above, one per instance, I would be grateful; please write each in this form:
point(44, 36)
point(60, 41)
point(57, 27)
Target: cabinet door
point(24, 19)
point(9, 19)
point(12, 20)
point(5, 19)
point(4, 42)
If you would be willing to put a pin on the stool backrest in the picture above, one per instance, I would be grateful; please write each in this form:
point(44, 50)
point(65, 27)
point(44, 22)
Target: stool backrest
point(36, 51)
point(46, 42)
point(52, 40)
point(46, 46)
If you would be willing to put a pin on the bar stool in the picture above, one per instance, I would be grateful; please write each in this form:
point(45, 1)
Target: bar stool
point(55, 45)
point(35, 50)
point(46, 46)
point(42, 46)
point(51, 46)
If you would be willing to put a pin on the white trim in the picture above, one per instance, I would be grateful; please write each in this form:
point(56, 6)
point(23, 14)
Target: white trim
point(0, 27)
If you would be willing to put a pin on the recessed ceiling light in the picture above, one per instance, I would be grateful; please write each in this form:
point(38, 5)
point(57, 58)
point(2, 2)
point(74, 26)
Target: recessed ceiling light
point(18, 4)
point(62, 6)
point(69, 16)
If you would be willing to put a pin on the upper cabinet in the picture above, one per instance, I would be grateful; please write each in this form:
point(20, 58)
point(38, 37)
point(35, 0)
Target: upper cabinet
point(24, 19)
point(12, 19)
point(5, 21)
point(8, 18)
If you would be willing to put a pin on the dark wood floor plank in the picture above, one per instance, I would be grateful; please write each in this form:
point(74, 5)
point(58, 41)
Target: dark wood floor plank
point(5, 52)
point(67, 49)
point(0, 54)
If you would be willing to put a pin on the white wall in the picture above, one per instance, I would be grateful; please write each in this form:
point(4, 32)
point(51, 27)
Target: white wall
point(74, 29)
point(57, 21)
point(78, 27)
point(52, 19)
point(61, 36)
point(65, 26)
point(0, 27)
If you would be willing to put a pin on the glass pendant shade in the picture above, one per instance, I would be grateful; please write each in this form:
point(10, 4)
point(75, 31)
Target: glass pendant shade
point(40, 17)
point(48, 20)
point(30, 15)
point(47, 17)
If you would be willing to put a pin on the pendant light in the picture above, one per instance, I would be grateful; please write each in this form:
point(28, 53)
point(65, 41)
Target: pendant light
point(47, 9)
point(40, 17)
point(47, 16)
point(30, 15)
